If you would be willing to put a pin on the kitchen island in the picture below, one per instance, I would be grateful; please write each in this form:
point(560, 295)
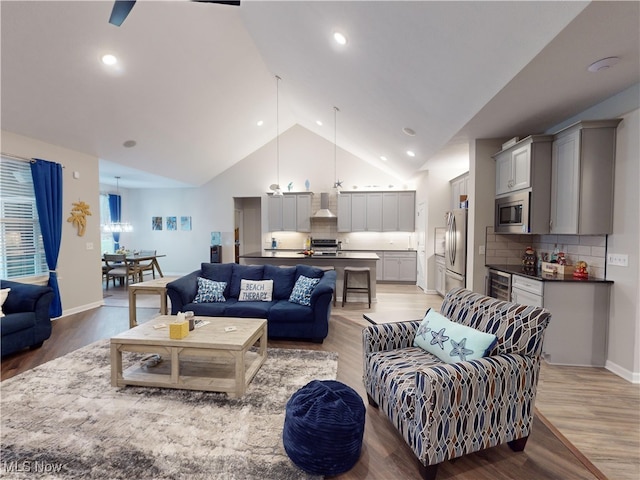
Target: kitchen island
point(338, 261)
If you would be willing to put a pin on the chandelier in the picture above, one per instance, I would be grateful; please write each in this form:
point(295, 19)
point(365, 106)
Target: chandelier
point(117, 227)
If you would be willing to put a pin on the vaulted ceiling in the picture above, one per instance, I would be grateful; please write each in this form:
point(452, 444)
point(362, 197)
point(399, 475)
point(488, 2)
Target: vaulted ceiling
point(193, 79)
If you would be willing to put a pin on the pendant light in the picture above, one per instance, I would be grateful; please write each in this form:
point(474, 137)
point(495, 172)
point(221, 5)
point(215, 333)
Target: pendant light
point(277, 191)
point(117, 227)
point(337, 184)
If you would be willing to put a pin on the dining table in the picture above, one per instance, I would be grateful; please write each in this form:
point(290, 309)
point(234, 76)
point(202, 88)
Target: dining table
point(135, 259)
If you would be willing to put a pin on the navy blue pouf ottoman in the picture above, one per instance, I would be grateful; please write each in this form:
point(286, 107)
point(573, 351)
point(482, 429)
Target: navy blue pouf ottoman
point(323, 427)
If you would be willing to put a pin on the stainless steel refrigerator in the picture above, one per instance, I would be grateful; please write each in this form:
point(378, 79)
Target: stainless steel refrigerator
point(456, 249)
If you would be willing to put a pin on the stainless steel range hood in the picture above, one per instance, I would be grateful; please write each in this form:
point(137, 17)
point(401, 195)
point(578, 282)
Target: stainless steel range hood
point(324, 211)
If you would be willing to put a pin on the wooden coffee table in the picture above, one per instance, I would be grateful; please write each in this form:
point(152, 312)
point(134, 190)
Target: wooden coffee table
point(209, 358)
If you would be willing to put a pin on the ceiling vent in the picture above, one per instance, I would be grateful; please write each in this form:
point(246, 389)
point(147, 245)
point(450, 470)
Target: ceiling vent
point(324, 211)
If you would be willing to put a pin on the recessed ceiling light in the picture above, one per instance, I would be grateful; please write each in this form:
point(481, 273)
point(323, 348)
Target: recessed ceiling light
point(411, 153)
point(383, 158)
point(340, 38)
point(409, 131)
point(603, 64)
point(109, 59)
point(129, 144)
point(319, 123)
point(260, 123)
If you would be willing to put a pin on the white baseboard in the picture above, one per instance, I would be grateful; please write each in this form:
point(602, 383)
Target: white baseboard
point(82, 308)
point(633, 377)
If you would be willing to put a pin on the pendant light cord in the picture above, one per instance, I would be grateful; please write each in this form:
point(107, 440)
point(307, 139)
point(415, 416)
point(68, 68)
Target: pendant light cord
point(335, 146)
point(278, 130)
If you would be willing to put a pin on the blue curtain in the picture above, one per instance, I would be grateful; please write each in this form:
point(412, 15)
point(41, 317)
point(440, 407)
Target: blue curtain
point(115, 207)
point(47, 186)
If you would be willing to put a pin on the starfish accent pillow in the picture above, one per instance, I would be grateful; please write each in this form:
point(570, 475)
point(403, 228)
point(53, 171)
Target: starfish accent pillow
point(450, 341)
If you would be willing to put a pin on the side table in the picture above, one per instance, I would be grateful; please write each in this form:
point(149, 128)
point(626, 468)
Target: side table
point(157, 286)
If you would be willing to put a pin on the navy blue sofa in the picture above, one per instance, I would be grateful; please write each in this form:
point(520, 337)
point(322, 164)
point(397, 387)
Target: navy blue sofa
point(26, 321)
point(285, 319)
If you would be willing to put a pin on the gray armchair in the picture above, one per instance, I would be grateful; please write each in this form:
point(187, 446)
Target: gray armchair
point(446, 410)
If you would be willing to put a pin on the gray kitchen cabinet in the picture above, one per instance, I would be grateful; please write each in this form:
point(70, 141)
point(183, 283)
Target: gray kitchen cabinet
point(274, 205)
point(344, 212)
point(582, 177)
point(303, 212)
point(374, 212)
point(358, 212)
point(289, 213)
point(406, 211)
point(398, 211)
point(441, 270)
point(400, 266)
point(526, 164)
point(390, 211)
point(577, 332)
point(459, 186)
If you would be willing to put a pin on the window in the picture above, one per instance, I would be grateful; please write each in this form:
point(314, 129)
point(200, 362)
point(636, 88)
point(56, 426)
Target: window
point(106, 238)
point(21, 249)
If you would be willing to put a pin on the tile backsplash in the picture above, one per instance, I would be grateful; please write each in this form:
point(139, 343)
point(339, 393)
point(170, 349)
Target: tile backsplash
point(508, 249)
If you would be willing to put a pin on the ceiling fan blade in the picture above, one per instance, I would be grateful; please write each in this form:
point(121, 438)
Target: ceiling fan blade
point(121, 9)
point(223, 2)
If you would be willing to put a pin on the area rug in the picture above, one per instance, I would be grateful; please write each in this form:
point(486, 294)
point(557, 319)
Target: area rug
point(63, 419)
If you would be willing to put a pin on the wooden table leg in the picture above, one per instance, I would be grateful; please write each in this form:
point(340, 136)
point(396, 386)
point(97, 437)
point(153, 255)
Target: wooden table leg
point(163, 301)
point(175, 364)
point(133, 322)
point(116, 364)
point(155, 262)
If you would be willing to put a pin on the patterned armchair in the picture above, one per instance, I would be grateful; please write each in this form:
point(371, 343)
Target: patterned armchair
point(444, 410)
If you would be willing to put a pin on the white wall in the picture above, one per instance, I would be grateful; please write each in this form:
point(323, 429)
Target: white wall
point(623, 355)
point(79, 268)
point(482, 191)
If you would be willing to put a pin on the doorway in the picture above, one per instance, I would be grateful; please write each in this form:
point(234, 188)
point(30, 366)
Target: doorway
point(247, 228)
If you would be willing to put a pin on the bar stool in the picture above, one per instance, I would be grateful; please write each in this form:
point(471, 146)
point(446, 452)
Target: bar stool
point(327, 268)
point(355, 271)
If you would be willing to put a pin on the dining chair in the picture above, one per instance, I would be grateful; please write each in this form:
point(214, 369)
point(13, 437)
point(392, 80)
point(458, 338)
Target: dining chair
point(118, 267)
point(147, 265)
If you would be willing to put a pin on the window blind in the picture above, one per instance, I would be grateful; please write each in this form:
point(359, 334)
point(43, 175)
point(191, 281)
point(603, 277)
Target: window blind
point(21, 249)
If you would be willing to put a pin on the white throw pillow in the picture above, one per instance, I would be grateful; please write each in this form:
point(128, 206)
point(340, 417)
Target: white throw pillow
point(255, 290)
point(4, 293)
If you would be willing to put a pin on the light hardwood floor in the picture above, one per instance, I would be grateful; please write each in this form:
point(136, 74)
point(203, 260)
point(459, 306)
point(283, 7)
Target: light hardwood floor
point(597, 411)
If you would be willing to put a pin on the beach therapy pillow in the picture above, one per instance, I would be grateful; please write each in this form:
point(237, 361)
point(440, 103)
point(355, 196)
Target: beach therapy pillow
point(302, 290)
point(210, 291)
point(255, 290)
point(450, 341)
point(3, 296)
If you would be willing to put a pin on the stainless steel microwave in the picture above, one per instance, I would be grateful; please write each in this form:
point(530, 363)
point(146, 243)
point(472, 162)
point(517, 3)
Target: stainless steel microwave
point(512, 213)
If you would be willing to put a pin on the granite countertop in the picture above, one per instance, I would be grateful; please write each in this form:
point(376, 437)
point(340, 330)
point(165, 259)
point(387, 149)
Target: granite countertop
point(299, 255)
point(544, 277)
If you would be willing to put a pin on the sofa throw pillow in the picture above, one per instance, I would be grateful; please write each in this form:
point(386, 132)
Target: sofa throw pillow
point(4, 293)
point(255, 290)
point(210, 291)
point(303, 289)
point(450, 341)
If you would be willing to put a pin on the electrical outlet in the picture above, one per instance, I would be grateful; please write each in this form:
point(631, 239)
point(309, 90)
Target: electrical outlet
point(89, 246)
point(481, 250)
point(618, 259)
